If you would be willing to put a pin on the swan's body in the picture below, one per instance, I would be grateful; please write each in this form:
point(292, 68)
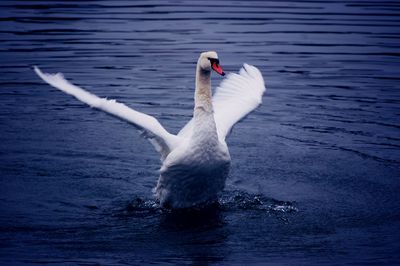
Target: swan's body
point(196, 161)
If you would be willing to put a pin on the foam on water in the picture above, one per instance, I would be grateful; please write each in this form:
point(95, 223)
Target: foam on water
point(230, 201)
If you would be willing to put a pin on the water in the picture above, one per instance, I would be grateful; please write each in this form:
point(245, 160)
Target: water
point(315, 170)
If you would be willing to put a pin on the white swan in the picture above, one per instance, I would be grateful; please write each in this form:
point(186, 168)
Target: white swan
point(196, 161)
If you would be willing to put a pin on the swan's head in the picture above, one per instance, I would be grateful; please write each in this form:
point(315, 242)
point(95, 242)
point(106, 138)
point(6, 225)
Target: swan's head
point(209, 60)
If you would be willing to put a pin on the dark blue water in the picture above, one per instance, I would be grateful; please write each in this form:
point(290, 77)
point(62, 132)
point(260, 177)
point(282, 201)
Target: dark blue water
point(315, 170)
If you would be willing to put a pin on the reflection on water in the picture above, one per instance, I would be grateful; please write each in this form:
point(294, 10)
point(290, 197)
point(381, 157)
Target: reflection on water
point(314, 175)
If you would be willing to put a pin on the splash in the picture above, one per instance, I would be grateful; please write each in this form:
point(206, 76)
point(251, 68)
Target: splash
point(229, 201)
point(240, 200)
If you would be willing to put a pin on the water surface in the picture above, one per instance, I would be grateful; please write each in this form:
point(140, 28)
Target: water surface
point(315, 169)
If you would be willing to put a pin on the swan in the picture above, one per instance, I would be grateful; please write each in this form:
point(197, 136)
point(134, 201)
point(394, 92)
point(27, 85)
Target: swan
point(196, 161)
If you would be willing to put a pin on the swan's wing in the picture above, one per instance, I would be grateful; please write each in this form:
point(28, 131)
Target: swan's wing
point(163, 141)
point(236, 96)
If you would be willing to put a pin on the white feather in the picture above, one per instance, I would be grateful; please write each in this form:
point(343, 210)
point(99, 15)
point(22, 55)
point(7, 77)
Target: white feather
point(163, 141)
point(235, 97)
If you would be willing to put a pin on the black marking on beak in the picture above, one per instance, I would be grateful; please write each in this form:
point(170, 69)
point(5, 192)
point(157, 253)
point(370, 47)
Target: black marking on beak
point(213, 60)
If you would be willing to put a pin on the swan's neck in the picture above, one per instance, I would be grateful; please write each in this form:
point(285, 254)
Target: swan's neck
point(204, 124)
point(202, 98)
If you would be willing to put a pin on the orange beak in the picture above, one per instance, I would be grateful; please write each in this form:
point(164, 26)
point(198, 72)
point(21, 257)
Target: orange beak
point(217, 68)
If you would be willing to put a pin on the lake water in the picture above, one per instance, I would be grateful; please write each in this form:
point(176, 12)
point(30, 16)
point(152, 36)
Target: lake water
point(315, 173)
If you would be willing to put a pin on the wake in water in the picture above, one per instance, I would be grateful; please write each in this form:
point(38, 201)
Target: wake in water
point(239, 200)
point(228, 202)
point(212, 215)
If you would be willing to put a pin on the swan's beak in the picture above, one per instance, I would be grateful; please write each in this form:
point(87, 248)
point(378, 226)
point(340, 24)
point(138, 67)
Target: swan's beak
point(217, 68)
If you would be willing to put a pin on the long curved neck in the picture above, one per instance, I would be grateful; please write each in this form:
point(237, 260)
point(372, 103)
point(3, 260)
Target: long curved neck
point(202, 98)
point(204, 128)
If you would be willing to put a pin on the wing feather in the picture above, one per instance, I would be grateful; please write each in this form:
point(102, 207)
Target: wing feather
point(161, 139)
point(235, 97)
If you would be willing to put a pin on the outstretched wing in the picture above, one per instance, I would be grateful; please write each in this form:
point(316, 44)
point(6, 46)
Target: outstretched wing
point(236, 96)
point(162, 140)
